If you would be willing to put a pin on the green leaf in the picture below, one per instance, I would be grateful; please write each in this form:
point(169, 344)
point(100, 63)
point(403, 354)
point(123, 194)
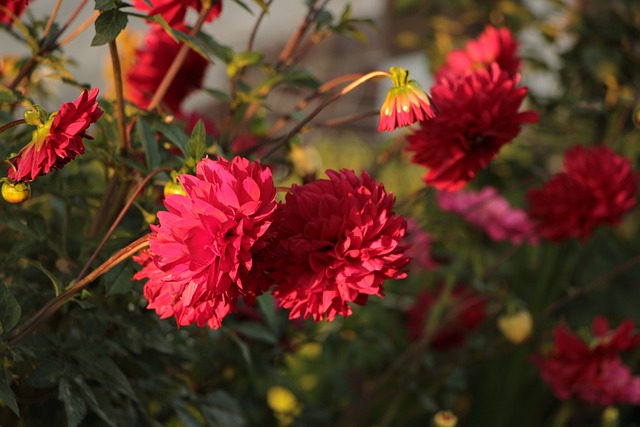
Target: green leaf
point(221, 409)
point(149, 144)
point(268, 309)
point(90, 398)
point(187, 414)
point(118, 279)
point(7, 95)
point(105, 5)
point(197, 142)
point(8, 397)
point(57, 284)
point(46, 374)
point(255, 331)
point(9, 310)
point(218, 94)
point(108, 26)
point(74, 405)
point(173, 134)
point(244, 348)
point(222, 52)
point(243, 60)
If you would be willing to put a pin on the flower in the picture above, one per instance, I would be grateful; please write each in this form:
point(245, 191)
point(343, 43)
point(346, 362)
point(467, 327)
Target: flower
point(406, 103)
point(465, 311)
point(493, 45)
point(152, 62)
point(477, 115)
point(13, 7)
point(58, 138)
point(516, 326)
point(596, 187)
point(490, 212)
point(200, 259)
point(592, 372)
point(419, 243)
point(284, 404)
point(336, 241)
point(174, 11)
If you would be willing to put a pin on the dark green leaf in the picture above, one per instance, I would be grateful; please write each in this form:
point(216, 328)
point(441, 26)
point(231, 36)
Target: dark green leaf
point(149, 144)
point(221, 409)
point(224, 53)
point(242, 346)
point(105, 5)
point(173, 134)
point(218, 94)
point(74, 405)
point(57, 284)
point(187, 414)
point(7, 95)
point(268, 309)
point(46, 374)
point(108, 26)
point(90, 398)
point(197, 142)
point(255, 331)
point(118, 279)
point(8, 397)
point(9, 310)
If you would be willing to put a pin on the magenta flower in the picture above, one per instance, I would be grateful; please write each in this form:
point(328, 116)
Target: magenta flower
point(490, 212)
point(336, 241)
point(201, 254)
point(419, 243)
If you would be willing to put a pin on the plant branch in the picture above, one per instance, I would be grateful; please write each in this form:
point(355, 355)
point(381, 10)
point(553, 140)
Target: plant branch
point(254, 31)
point(80, 29)
point(74, 15)
point(47, 28)
point(12, 124)
point(120, 114)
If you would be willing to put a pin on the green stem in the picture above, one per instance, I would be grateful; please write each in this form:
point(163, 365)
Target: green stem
point(120, 114)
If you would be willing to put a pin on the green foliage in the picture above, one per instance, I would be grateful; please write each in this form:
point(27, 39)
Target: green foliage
point(108, 25)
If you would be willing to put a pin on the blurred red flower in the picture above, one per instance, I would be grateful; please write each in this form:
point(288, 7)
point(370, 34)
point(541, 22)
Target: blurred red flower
point(596, 187)
point(336, 241)
point(201, 254)
point(16, 7)
point(465, 310)
point(419, 243)
point(593, 371)
point(58, 140)
point(174, 11)
point(152, 62)
point(477, 115)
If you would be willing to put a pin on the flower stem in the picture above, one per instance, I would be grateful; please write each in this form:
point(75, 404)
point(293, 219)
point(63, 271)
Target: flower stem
point(254, 31)
point(80, 29)
point(47, 28)
point(74, 15)
point(12, 124)
point(120, 114)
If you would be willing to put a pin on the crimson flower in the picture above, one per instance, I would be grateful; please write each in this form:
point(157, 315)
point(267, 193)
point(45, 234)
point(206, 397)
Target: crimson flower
point(174, 11)
point(465, 310)
point(200, 259)
point(596, 187)
point(593, 372)
point(16, 7)
point(58, 138)
point(490, 212)
point(419, 243)
point(477, 115)
point(152, 62)
point(493, 45)
point(406, 103)
point(336, 241)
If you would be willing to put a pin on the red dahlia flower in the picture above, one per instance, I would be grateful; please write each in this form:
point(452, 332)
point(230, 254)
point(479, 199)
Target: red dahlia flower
point(493, 45)
point(201, 254)
point(152, 62)
point(477, 115)
point(336, 241)
point(58, 139)
point(596, 187)
point(592, 372)
point(15, 7)
point(174, 11)
point(406, 103)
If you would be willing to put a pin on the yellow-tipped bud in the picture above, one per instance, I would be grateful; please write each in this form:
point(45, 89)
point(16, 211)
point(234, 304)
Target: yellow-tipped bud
point(16, 192)
point(445, 419)
point(516, 327)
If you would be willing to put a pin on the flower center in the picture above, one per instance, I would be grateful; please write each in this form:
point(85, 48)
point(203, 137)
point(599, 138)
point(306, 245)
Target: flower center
point(42, 132)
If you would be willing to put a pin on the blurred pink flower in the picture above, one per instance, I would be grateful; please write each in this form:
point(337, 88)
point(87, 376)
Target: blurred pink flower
point(201, 254)
point(16, 7)
point(592, 371)
point(336, 241)
point(490, 212)
point(419, 243)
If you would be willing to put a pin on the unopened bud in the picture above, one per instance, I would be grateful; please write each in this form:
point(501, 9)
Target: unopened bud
point(16, 192)
point(516, 327)
point(445, 419)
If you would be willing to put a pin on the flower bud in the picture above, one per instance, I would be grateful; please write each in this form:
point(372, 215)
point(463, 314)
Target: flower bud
point(172, 187)
point(16, 192)
point(445, 419)
point(516, 327)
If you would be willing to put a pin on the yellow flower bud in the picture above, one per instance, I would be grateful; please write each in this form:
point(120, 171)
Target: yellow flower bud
point(16, 192)
point(445, 419)
point(516, 327)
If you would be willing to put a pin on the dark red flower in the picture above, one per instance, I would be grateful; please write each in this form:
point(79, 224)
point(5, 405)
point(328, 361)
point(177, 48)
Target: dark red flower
point(174, 11)
point(152, 62)
point(15, 7)
point(493, 45)
point(596, 187)
point(58, 139)
point(336, 241)
point(477, 115)
point(594, 373)
point(465, 310)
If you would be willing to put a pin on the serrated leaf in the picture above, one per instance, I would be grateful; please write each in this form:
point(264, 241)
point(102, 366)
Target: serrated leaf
point(149, 144)
point(8, 397)
point(108, 26)
point(74, 405)
point(173, 134)
point(118, 279)
point(9, 310)
point(105, 5)
point(197, 144)
point(221, 409)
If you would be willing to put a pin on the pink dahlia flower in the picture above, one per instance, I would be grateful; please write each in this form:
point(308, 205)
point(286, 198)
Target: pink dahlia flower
point(174, 11)
point(597, 187)
point(58, 140)
point(201, 254)
point(152, 62)
point(477, 115)
point(336, 241)
point(419, 243)
point(490, 212)
point(16, 7)
point(592, 371)
point(493, 45)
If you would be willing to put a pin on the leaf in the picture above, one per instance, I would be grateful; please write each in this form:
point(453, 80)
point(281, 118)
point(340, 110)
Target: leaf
point(221, 409)
point(173, 134)
point(218, 94)
point(118, 279)
point(222, 52)
point(57, 284)
point(244, 348)
point(268, 309)
point(90, 398)
point(7, 95)
point(108, 26)
point(8, 397)
point(74, 405)
point(46, 374)
point(243, 60)
point(256, 331)
point(105, 5)
point(187, 414)
point(197, 141)
point(149, 144)
point(9, 310)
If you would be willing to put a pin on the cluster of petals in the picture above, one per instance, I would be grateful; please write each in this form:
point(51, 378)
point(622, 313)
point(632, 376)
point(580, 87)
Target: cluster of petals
point(14, 7)
point(596, 187)
point(493, 45)
point(477, 115)
point(465, 311)
point(174, 11)
point(200, 258)
point(490, 212)
point(153, 60)
point(335, 242)
point(59, 140)
point(592, 372)
point(419, 243)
